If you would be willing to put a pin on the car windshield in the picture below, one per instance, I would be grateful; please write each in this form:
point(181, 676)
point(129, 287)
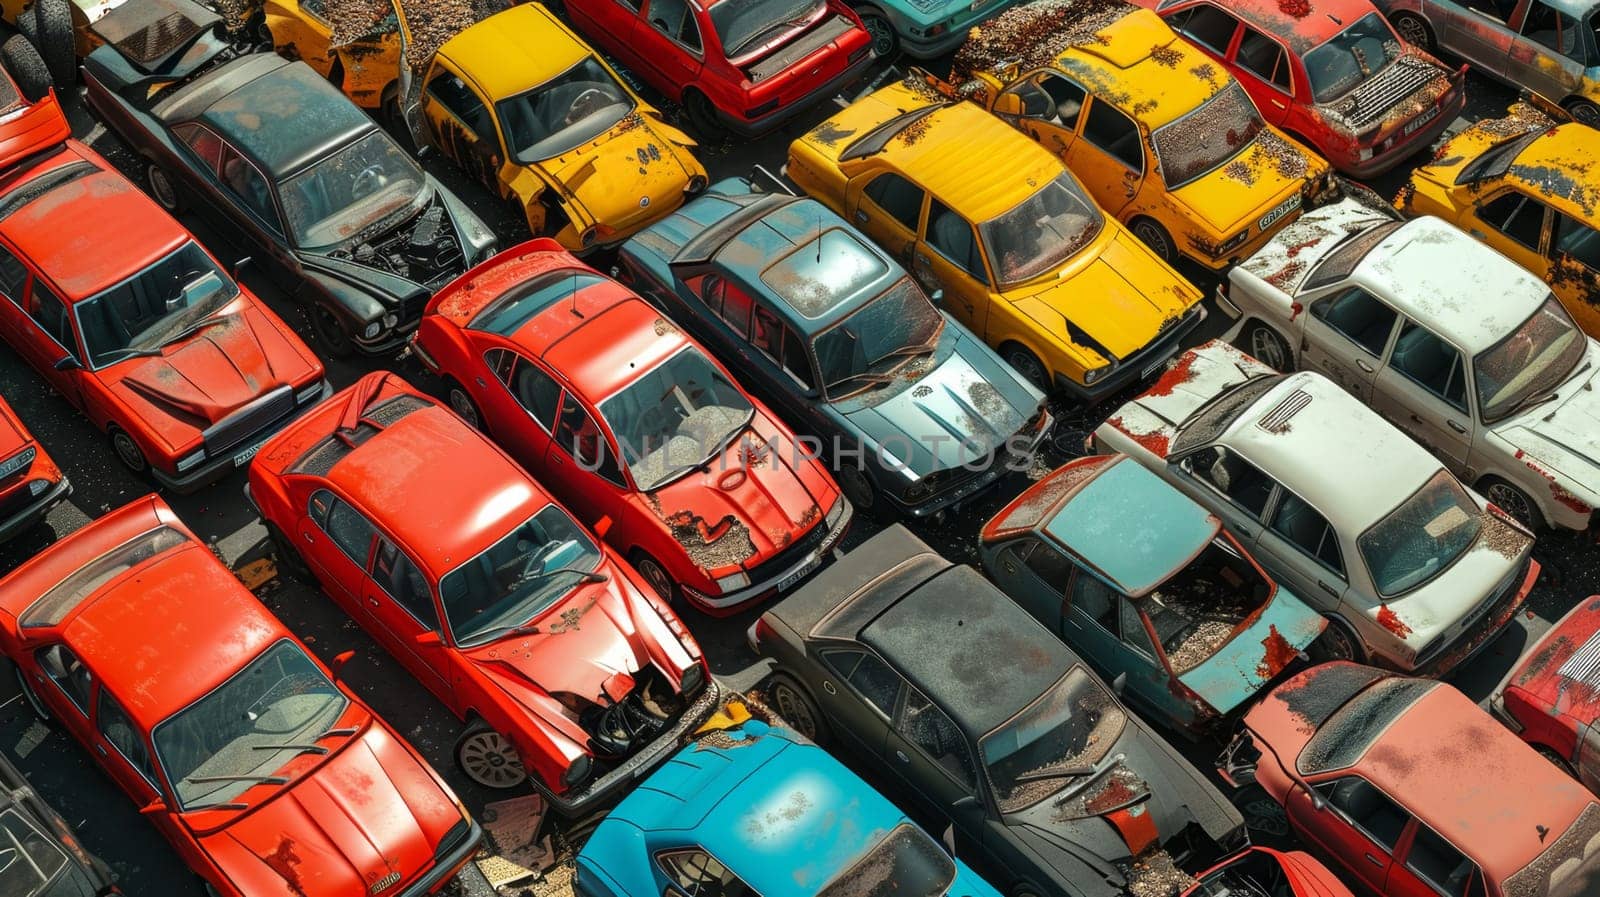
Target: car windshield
point(350, 190)
point(1205, 139)
point(1421, 537)
point(154, 307)
point(1209, 420)
point(1059, 737)
point(740, 24)
point(679, 414)
point(1569, 867)
point(907, 863)
point(1350, 57)
point(29, 859)
point(877, 338)
point(1199, 609)
point(248, 727)
point(1533, 360)
point(518, 577)
point(563, 113)
point(1042, 231)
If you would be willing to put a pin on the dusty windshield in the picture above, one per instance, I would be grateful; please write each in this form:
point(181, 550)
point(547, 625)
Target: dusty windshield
point(1421, 537)
point(1339, 64)
point(349, 191)
point(29, 859)
point(1058, 738)
point(1205, 139)
point(1569, 867)
point(741, 24)
point(1042, 231)
point(247, 728)
point(154, 307)
point(1200, 608)
point(907, 863)
point(563, 113)
point(1529, 363)
point(874, 340)
point(527, 571)
point(681, 413)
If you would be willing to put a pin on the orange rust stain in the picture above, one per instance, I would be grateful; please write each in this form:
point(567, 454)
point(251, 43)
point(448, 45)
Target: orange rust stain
point(285, 861)
point(1175, 376)
point(1391, 621)
point(1279, 654)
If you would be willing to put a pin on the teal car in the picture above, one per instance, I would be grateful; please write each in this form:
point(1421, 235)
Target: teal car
point(1148, 587)
point(924, 29)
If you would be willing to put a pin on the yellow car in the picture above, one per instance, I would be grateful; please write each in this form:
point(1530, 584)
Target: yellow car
point(1165, 140)
point(1525, 185)
point(1023, 256)
point(362, 57)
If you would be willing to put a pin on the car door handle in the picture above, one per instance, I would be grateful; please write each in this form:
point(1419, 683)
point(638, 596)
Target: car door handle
point(1329, 589)
point(828, 687)
point(901, 756)
point(1363, 366)
point(479, 381)
point(372, 602)
point(1415, 419)
point(1374, 861)
point(1455, 426)
point(100, 749)
point(861, 216)
point(1277, 104)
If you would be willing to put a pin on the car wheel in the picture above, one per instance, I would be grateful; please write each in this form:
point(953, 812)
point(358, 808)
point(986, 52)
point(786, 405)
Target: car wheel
point(656, 575)
point(1556, 760)
point(1414, 30)
point(857, 487)
point(461, 403)
point(489, 758)
point(52, 35)
point(701, 114)
point(162, 188)
point(1023, 889)
point(289, 559)
point(1153, 235)
point(128, 452)
point(31, 696)
point(1027, 364)
point(1336, 642)
point(884, 40)
point(1513, 501)
point(794, 704)
point(1261, 813)
point(1584, 112)
point(1269, 347)
point(331, 332)
point(26, 66)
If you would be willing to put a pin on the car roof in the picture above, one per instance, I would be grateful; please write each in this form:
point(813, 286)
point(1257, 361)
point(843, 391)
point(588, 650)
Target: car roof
point(167, 635)
point(1555, 166)
point(1132, 526)
point(1320, 19)
point(1138, 64)
point(1434, 272)
point(1323, 444)
point(89, 232)
point(613, 337)
point(514, 50)
point(993, 658)
point(282, 116)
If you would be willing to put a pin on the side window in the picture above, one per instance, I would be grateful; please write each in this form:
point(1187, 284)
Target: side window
point(1050, 98)
point(1519, 217)
point(733, 305)
point(674, 19)
point(1050, 566)
point(404, 583)
point(780, 343)
point(583, 439)
point(317, 8)
point(458, 99)
point(1242, 482)
point(347, 528)
point(535, 390)
point(926, 726)
point(1309, 531)
point(952, 237)
point(51, 313)
point(13, 276)
point(1264, 57)
point(1367, 807)
point(244, 181)
point(1095, 600)
point(1573, 239)
point(1432, 363)
point(699, 874)
point(900, 198)
point(1207, 26)
point(1115, 133)
point(118, 729)
point(67, 672)
point(1134, 635)
point(206, 146)
point(1557, 31)
point(1437, 862)
point(1359, 317)
point(869, 676)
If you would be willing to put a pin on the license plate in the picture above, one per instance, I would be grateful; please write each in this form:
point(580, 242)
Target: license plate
point(785, 583)
point(244, 457)
point(1276, 215)
point(1412, 125)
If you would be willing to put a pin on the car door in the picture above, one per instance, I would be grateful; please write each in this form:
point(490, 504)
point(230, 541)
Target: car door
point(336, 542)
point(123, 750)
point(519, 401)
point(1109, 157)
point(1358, 826)
point(1476, 30)
point(1344, 334)
point(948, 258)
point(65, 685)
point(858, 693)
point(666, 39)
point(1306, 548)
point(1265, 59)
point(583, 460)
point(1047, 105)
point(1427, 865)
point(1515, 224)
point(732, 303)
point(1574, 250)
point(253, 219)
point(405, 617)
point(1424, 389)
point(461, 126)
point(1549, 53)
point(1207, 26)
point(888, 207)
point(930, 756)
point(1228, 484)
point(44, 335)
point(301, 30)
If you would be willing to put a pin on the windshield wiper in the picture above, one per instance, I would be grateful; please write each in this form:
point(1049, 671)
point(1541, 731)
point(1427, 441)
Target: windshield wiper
point(869, 379)
point(224, 805)
point(585, 576)
point(307, 748)
point(1059, 772)
point(259, 780)
point(192, 329)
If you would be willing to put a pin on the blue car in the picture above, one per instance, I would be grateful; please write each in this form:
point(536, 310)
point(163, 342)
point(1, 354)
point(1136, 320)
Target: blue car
point(759, 811)
point(1149, 587)
point(924, 29)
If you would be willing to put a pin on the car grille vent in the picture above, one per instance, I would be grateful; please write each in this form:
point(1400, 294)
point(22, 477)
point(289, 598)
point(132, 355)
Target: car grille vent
point(1378, 95)
point(1277, 420)
point(157, 39)
point(44, 183)
point(389, 412)
point(323, 457)
point(1585, 664)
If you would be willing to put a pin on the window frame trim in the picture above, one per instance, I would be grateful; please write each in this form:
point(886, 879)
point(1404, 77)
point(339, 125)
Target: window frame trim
point(433, 594)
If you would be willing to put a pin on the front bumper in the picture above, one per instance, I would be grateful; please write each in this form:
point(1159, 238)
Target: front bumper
point(389, 341)
point(447, 867)
point(213, 469)
point(790, 574)
point(36, 509)
point(638, 766)
point(1479, 636)
point(1141, 366)
point(755, 127)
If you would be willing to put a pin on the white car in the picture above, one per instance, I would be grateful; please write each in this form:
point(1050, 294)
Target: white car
point(1448, 339)
point(1415, 571)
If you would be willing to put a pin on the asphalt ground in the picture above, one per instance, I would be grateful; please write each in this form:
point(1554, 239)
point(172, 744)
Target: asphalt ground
point(112, 827)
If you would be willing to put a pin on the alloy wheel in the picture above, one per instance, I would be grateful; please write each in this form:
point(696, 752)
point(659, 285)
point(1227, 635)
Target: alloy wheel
point(1512, 501)
point(488, 758)
point(795, 708)
point(1267, 346)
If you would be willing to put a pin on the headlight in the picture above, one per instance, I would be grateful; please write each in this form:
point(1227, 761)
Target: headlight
point(577, 772)
point(733, 581)
point(308, 393)
point(693, 678)
point(389, 320)
point(372, 330)
point(191, 460)
point(1094, 374)
point(919, 490)
point(36, 487)
point(588, 236)
point(1233, 242)
point(834, 513)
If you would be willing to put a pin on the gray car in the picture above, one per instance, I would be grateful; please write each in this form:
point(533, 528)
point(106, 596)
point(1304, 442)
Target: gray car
point(1548, 47)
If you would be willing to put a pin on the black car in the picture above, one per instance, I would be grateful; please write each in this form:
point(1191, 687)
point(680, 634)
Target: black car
point(933, 674)
point(286, 166)
point(39, 854)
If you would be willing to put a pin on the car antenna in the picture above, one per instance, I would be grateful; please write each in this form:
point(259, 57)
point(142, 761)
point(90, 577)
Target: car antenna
point(819, 235)
point(573, 296)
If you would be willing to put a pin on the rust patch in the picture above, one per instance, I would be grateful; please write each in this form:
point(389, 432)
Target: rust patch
point(1278, 654)
point(1391, 621)
point(1206, 72)
point(1501, 537)
point(1164, 55)
point(711, 547)
point(829, 134)
point(1240, 172)
point(1036, 34)
point(1295, 9)
point(284, 861)
point(1179, 373)
point(1520, 119)
point(1155, 874)
point(664, 327)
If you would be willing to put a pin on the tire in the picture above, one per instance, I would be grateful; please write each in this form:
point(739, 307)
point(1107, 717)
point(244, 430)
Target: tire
point(1556, 760)
point(1027, 364)
point(1337, 642)
point(128, 451)
point(884, 39)
point(792, 702)
point(1261, 813)
point(1152, 234)
point(857, 487)
point(289, 559)
point(701, 114)
point(162, 189)
point(330, 331)
point(26, 66)
point(655, 573)
point(1269, 347)
point(31, 696)
point(1023, 889)
point(1414, 30)
point(1513, 501)
point(488, 758)
point(1583, 112)
point(460, 401)
point(52, 24)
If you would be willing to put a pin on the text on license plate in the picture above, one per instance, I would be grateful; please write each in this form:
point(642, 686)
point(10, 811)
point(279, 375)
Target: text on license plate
point(1412, 125)
point(1276, 215)
point(796, 576)
point(244, 457)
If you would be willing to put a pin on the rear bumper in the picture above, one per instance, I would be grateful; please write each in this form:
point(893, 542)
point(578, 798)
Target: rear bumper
point(213, 469)
point(448, 865)
point(755, 127)
point(35, 510)
point(1449, 107)
point(1478, 637)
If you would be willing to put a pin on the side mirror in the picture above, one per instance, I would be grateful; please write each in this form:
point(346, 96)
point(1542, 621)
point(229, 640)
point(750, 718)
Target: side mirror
point(602, 526)
point(948, 839)
point(339, 662)
point(67, 363)
point(157, 807)
point(239, 266)
point(1120, 684)
point(424, 150)
point(429, 639)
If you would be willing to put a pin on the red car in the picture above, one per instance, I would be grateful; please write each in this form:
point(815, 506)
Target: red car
point(556, 654)
point(118, 307)
point(1552, 697)
point(744, 66)
point(30, 483)
point(30, 116)
point(1264, 872)
point(707, 494)
point(1330, 72)
point(1413, 790)
point(268, 776)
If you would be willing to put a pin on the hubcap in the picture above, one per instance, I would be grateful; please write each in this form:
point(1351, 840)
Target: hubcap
point(1513, 501)
point(461, 405)
point(1265, 345)
point(657, 578)
point(1412, 30)
point(1265, 816)
point(489, 759)
point(793, 708)
point(331, 331)
point(1339, 644)
point(128, 452)
point(1028, 367)
point(162, 188)
point(1154, 238)
point(856, 488)
point(1586, 113)
point(882, 35)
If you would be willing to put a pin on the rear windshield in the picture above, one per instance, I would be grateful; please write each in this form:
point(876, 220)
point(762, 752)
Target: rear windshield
point(53, 606)
point(1353, 728)
point(1344, 258)
point(821, 275)
point(1209, 420)
point(741, 24)
point(1569, 867)
point(906, 864)
point(1205, 139)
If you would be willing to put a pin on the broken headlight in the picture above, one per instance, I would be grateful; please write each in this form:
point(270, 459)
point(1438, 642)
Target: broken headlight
point(693, 678)
point(577, 772)
point(834, 513)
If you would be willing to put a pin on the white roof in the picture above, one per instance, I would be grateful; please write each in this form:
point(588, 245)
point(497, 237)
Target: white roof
point(1458, 287)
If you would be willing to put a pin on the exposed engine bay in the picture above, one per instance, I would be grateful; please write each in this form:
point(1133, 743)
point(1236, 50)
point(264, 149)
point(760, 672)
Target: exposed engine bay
point(423, 250)
point(619, 729)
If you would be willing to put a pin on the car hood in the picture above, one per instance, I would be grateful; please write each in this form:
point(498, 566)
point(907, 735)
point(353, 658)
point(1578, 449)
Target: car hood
point(1237, 195)
point(1256, 654)
point(627, 174)
point(1122, 298)
point(363, 815)
point(13, 438)
point(1290, 255)
point(1563, 435)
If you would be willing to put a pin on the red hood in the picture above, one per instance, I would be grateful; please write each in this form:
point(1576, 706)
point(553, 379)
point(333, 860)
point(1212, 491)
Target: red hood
point(371, 810)
point(13, 435)
point(1573, 689)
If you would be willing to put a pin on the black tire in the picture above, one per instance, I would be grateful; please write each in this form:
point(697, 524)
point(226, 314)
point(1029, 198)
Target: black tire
point(1414, 30)
point(488, 758)
point(27, 68)
point(1027, 364)
point(1556, 760)
point(1268, 346)
point(1513, 501)
point(289, 559)
point(884, 39)
point(52, 25)
point(655, 573)
point(29, 696)
point(128, 451)
point(1023, 889)
point(791, 701)
point(1583, 111)
point(162, 188)
point(857, 487)
point(1152, 234)
point(460, 401)
point(331, 332)
point(1337, 642)
point(701, 114)
point(1261, 813)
